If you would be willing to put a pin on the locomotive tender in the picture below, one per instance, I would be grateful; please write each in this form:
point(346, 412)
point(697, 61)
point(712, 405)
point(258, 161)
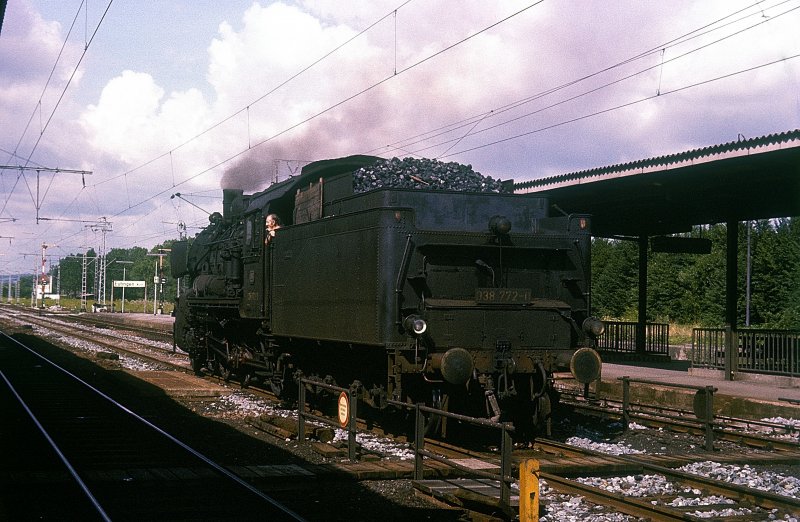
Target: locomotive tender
point(461, 300)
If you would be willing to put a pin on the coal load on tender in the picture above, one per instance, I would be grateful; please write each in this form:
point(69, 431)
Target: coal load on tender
point(426, 174)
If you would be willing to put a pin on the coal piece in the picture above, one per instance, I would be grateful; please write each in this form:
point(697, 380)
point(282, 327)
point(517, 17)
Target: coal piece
point(423, 174)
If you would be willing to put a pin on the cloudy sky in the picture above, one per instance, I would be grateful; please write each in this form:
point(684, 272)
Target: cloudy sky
point(151, 99)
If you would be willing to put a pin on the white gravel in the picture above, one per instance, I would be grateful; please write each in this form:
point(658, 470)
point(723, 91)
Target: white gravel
point(243, 404)
point(382, 446)
point(602, 447)
point(126, 362)
point(790, 430)
point(564, 507)
point(747, 476)
point(571, 508)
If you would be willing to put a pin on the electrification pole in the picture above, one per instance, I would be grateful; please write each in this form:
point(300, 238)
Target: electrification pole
point(103, 226)
point(44, 278)
point(83, 282)
point(39, 170)
point(159, 280)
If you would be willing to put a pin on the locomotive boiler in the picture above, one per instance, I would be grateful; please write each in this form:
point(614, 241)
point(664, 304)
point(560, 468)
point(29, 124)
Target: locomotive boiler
point(465, 300)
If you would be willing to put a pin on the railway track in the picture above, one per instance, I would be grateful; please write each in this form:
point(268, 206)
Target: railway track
point(74, 453)
point(749, 432)
point(646, 486)
point(562, 477)
point(100, 321)
point(743, 431)
point(576, 471)
point(109, 341)
point(630, 469)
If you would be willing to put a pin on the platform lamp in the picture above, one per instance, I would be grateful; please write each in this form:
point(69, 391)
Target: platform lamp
point(123, 263)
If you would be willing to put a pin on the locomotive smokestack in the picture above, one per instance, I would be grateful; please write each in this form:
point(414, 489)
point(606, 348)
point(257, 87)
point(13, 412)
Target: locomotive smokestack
point(232, 204)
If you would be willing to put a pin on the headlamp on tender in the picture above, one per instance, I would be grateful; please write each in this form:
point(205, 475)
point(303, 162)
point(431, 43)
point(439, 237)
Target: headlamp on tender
point(594, 327)
point(415, 325)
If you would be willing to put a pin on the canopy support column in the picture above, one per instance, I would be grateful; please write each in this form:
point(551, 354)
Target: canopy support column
point(641, 320)
point(731, 299)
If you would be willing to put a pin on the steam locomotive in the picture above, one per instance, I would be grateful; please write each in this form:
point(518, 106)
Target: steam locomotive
point(465, 301)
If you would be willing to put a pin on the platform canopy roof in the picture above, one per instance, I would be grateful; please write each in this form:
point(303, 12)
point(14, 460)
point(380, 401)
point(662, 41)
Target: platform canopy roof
point(756, 178)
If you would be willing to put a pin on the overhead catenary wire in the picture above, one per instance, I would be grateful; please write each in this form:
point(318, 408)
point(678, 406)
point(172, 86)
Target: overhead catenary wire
point(380, 82)
point(628, 104)
point(316, 115)
point(470, 132)
point(125, 174)
point(404, 145)
point(392, 13)
point(634, 102)
point(38, 105)
point(69, 81)
point(590, 91)
point(60, 99)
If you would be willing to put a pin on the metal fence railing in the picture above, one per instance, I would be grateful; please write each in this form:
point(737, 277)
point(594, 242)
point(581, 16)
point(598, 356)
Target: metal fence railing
point(346, 412)
point(708, 348)
point(505, 429)
point(620, 337)
point(775, 352)
point(703, 405)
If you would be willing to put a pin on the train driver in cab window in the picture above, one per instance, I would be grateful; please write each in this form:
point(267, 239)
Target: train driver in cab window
point(273, 224)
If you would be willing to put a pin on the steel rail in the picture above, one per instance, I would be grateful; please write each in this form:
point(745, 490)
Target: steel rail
point(217, 467)
point(72, 471)
point(662, 417)
point(761, 498)
point(113, 325)
point(93, 338)
point(758, 497)
point(628, 505)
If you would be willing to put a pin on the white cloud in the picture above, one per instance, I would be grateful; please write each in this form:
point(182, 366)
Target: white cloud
point(131, 133)
point(124, 121)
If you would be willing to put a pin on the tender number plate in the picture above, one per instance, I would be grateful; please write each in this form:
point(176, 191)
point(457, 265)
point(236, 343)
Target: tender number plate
point(502, 295)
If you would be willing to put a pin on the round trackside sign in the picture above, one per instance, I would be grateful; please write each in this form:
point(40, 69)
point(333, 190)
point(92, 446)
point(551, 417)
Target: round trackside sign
point(344, 409)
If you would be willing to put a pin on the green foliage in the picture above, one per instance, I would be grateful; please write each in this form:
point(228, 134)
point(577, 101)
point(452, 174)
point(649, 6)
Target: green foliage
point(703, 278)
point(614, 277)
point(690, 289)
point(131, 264)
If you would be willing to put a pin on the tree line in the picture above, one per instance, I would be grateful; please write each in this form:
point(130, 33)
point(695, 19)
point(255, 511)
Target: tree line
point(131, 264)
point(690, 288)
point(682, 288)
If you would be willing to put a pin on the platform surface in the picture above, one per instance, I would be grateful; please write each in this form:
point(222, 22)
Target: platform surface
point(767, 389)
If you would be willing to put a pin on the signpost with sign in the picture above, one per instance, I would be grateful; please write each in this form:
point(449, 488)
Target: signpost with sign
point(345, 412)
point(347, 420)
point(126, 284)
point(129, 284)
